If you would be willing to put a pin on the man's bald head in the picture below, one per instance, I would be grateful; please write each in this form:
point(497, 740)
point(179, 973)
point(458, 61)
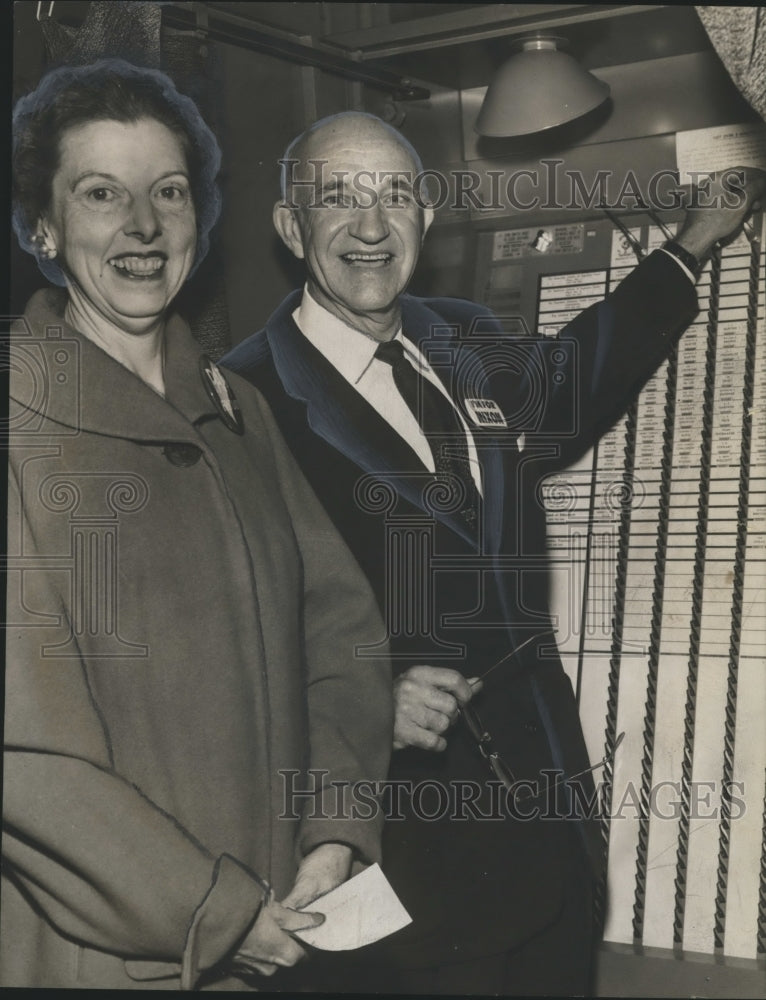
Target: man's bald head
point(313, 146)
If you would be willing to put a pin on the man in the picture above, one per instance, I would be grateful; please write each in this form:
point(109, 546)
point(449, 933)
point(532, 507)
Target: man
point(500, 896)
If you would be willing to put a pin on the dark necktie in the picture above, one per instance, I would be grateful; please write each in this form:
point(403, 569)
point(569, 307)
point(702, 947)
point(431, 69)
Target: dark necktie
point(439, 422)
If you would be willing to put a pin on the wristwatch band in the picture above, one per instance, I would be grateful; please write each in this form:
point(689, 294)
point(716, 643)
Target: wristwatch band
point(687, 259)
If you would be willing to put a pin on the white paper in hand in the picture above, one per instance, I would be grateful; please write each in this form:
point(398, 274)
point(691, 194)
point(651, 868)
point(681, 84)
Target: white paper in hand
point(362, 910)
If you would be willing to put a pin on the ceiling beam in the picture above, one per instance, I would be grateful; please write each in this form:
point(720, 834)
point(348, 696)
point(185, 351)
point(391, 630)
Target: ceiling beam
point(221, 26)
point(487, 21)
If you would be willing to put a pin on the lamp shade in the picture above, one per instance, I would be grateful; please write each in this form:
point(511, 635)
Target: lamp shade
point(538, 88)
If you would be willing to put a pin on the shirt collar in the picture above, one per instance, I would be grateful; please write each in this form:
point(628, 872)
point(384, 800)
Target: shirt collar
point(348, 350)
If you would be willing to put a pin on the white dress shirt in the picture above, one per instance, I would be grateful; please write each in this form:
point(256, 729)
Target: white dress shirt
point(352, 354)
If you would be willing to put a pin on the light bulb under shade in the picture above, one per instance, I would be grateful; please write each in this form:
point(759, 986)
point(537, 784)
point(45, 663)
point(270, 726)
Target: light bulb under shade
point(537, 89)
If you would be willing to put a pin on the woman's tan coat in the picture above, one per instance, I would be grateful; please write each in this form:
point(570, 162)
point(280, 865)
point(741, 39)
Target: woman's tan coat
point(182, 628)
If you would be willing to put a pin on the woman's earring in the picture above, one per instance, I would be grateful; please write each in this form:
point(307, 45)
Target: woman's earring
point(46, 251)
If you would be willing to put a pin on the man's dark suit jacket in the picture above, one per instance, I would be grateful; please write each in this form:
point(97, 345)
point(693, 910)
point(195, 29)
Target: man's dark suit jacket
point(475, 886)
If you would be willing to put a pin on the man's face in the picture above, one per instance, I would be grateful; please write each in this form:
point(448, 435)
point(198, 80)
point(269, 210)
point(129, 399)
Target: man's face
point(359, 227)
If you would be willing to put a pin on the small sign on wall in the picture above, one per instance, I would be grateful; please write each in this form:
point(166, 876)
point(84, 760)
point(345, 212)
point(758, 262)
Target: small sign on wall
point(531, 241)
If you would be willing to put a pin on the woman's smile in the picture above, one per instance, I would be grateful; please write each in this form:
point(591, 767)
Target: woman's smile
point(140, 267)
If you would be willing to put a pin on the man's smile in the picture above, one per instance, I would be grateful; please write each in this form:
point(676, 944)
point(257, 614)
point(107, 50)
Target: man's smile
point(377, 259)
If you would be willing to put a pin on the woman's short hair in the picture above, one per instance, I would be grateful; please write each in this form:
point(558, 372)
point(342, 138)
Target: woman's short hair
point(109, 90)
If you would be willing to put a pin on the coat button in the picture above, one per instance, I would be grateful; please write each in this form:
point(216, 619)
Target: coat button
point(182, 455)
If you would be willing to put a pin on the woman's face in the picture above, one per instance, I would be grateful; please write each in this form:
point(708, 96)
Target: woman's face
point(122, 219)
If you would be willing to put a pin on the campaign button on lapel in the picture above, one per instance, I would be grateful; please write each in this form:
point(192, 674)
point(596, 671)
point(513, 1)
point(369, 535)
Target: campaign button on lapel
point(485, 412)
point(221, 395)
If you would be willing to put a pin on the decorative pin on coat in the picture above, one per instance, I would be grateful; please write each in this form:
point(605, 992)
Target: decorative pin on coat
point(221, 395)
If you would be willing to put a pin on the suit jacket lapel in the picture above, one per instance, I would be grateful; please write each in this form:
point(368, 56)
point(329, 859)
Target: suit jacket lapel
point(337, 412)
point(343, 418)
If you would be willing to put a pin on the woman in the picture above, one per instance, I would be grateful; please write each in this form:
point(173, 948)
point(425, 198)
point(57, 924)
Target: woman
point(182, 616)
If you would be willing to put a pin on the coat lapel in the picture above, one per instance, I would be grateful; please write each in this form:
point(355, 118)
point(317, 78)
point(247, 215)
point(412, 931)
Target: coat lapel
point(83, 377)
point(341, 416)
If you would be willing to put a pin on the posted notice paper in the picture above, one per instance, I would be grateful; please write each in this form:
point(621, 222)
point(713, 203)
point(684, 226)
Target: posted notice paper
point(360, 911)
point(706, 150)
